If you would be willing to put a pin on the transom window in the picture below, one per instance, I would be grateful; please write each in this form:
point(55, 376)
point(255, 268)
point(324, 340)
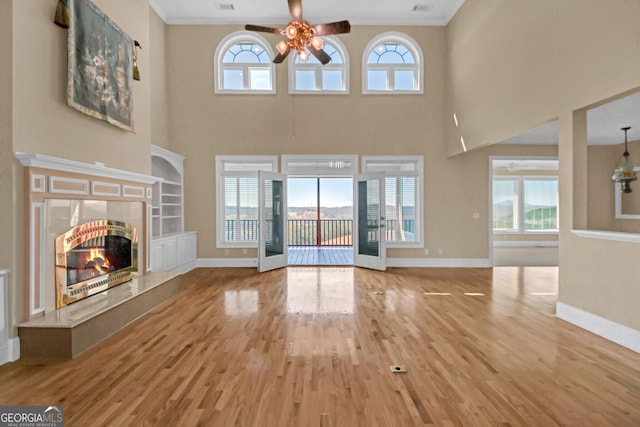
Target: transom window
point(392, 63)
point(243, 64)
point(313, 77)
point(403, 197)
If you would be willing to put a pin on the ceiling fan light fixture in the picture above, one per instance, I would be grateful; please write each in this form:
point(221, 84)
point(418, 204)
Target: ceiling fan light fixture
point(291, 31)
point(302, 37)
point(625, 173)
point(317, 42)
point(282, 47)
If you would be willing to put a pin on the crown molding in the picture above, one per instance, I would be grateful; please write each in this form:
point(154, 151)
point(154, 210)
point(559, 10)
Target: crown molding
point(156, 7)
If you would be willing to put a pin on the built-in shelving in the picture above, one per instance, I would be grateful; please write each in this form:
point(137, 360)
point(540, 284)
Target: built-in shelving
point(167, 213)
point(172, 248)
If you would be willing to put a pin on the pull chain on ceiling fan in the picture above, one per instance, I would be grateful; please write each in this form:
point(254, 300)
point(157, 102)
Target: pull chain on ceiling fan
point(301, 36)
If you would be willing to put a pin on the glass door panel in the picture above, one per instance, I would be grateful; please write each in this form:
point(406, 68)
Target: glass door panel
point(272, 252)
point(369, 247)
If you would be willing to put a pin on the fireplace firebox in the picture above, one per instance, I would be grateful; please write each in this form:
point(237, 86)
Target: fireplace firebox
point(93, 257)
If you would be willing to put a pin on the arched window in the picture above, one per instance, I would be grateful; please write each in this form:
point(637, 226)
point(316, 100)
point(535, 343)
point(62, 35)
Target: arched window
point(243, 64)
point(392, 63)
point(313, 77)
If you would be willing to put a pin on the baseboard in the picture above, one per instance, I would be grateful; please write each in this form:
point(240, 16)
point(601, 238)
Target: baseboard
point(525, 256)
point(439, 262)
point(10, 351)
point(391, 262)
point(525, 244)
point(227, 262)
point(620, 334)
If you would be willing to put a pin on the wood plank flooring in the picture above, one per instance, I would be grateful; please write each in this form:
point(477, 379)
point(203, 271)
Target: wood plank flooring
point(313, 255)
point(305, 346)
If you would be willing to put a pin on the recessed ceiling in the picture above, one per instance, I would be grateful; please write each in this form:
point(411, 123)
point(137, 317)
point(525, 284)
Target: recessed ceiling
point(274, 12)
point(603, 125)
point(604, 122)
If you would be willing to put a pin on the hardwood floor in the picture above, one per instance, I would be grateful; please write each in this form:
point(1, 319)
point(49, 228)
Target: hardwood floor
point(306, 346)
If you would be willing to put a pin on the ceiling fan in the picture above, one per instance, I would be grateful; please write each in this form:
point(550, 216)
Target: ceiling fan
point(301, 36)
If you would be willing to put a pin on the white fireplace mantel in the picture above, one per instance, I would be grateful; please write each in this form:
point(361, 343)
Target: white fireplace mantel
point(98, 169)
point(50, 181)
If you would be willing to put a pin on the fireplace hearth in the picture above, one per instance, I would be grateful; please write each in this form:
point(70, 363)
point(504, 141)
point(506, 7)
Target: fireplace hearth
point(93, 257)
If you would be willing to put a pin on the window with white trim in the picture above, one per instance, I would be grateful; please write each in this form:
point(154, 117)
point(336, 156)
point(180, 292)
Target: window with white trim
point(525, 204)
point(237, 199)
point(403, 182)
point(243, 65)
point(313, 77)
point(392, 64)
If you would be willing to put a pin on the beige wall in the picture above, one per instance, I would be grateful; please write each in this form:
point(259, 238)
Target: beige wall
point(205, 125)
point(517, 64)
point(6, 153)
point(514, 66)
point(10, 174)
point(35, 118)
point(157, 73)
point(597, 276)
point(42, 121)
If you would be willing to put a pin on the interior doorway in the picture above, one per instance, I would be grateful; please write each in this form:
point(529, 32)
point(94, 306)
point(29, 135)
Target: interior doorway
point(320, 220)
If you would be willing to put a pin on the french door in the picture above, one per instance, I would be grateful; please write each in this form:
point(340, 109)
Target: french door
point(369, 236)
point(272, 211)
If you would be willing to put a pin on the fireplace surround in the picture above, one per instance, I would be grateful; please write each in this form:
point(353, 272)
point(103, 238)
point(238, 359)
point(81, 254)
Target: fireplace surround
point(62, 197)
point(80, 217)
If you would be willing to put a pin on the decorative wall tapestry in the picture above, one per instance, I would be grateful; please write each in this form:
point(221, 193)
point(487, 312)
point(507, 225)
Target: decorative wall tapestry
point(100, 71)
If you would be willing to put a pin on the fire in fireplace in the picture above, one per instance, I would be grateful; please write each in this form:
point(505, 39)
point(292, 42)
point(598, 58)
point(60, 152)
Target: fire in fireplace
point(93, 257)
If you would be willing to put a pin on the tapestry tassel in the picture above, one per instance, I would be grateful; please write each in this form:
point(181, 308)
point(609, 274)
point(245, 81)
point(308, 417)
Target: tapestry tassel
point(136, 71)
point(62, 14)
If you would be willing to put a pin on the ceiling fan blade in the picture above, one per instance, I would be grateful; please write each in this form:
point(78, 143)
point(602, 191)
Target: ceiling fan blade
point(322, 56)
point(281, 56)
point(295, 10)
point(261, 29)
point(340, 27)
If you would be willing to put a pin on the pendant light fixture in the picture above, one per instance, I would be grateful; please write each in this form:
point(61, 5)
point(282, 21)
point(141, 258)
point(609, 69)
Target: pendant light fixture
point(625, 173)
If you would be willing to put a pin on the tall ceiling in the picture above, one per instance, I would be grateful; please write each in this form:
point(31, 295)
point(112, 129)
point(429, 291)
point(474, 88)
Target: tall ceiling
point(358, 12)
point(604, 122)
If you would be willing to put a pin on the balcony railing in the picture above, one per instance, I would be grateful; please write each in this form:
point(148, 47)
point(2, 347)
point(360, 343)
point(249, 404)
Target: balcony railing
point(243, 230)
point(329, 232)
point(308, 232)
